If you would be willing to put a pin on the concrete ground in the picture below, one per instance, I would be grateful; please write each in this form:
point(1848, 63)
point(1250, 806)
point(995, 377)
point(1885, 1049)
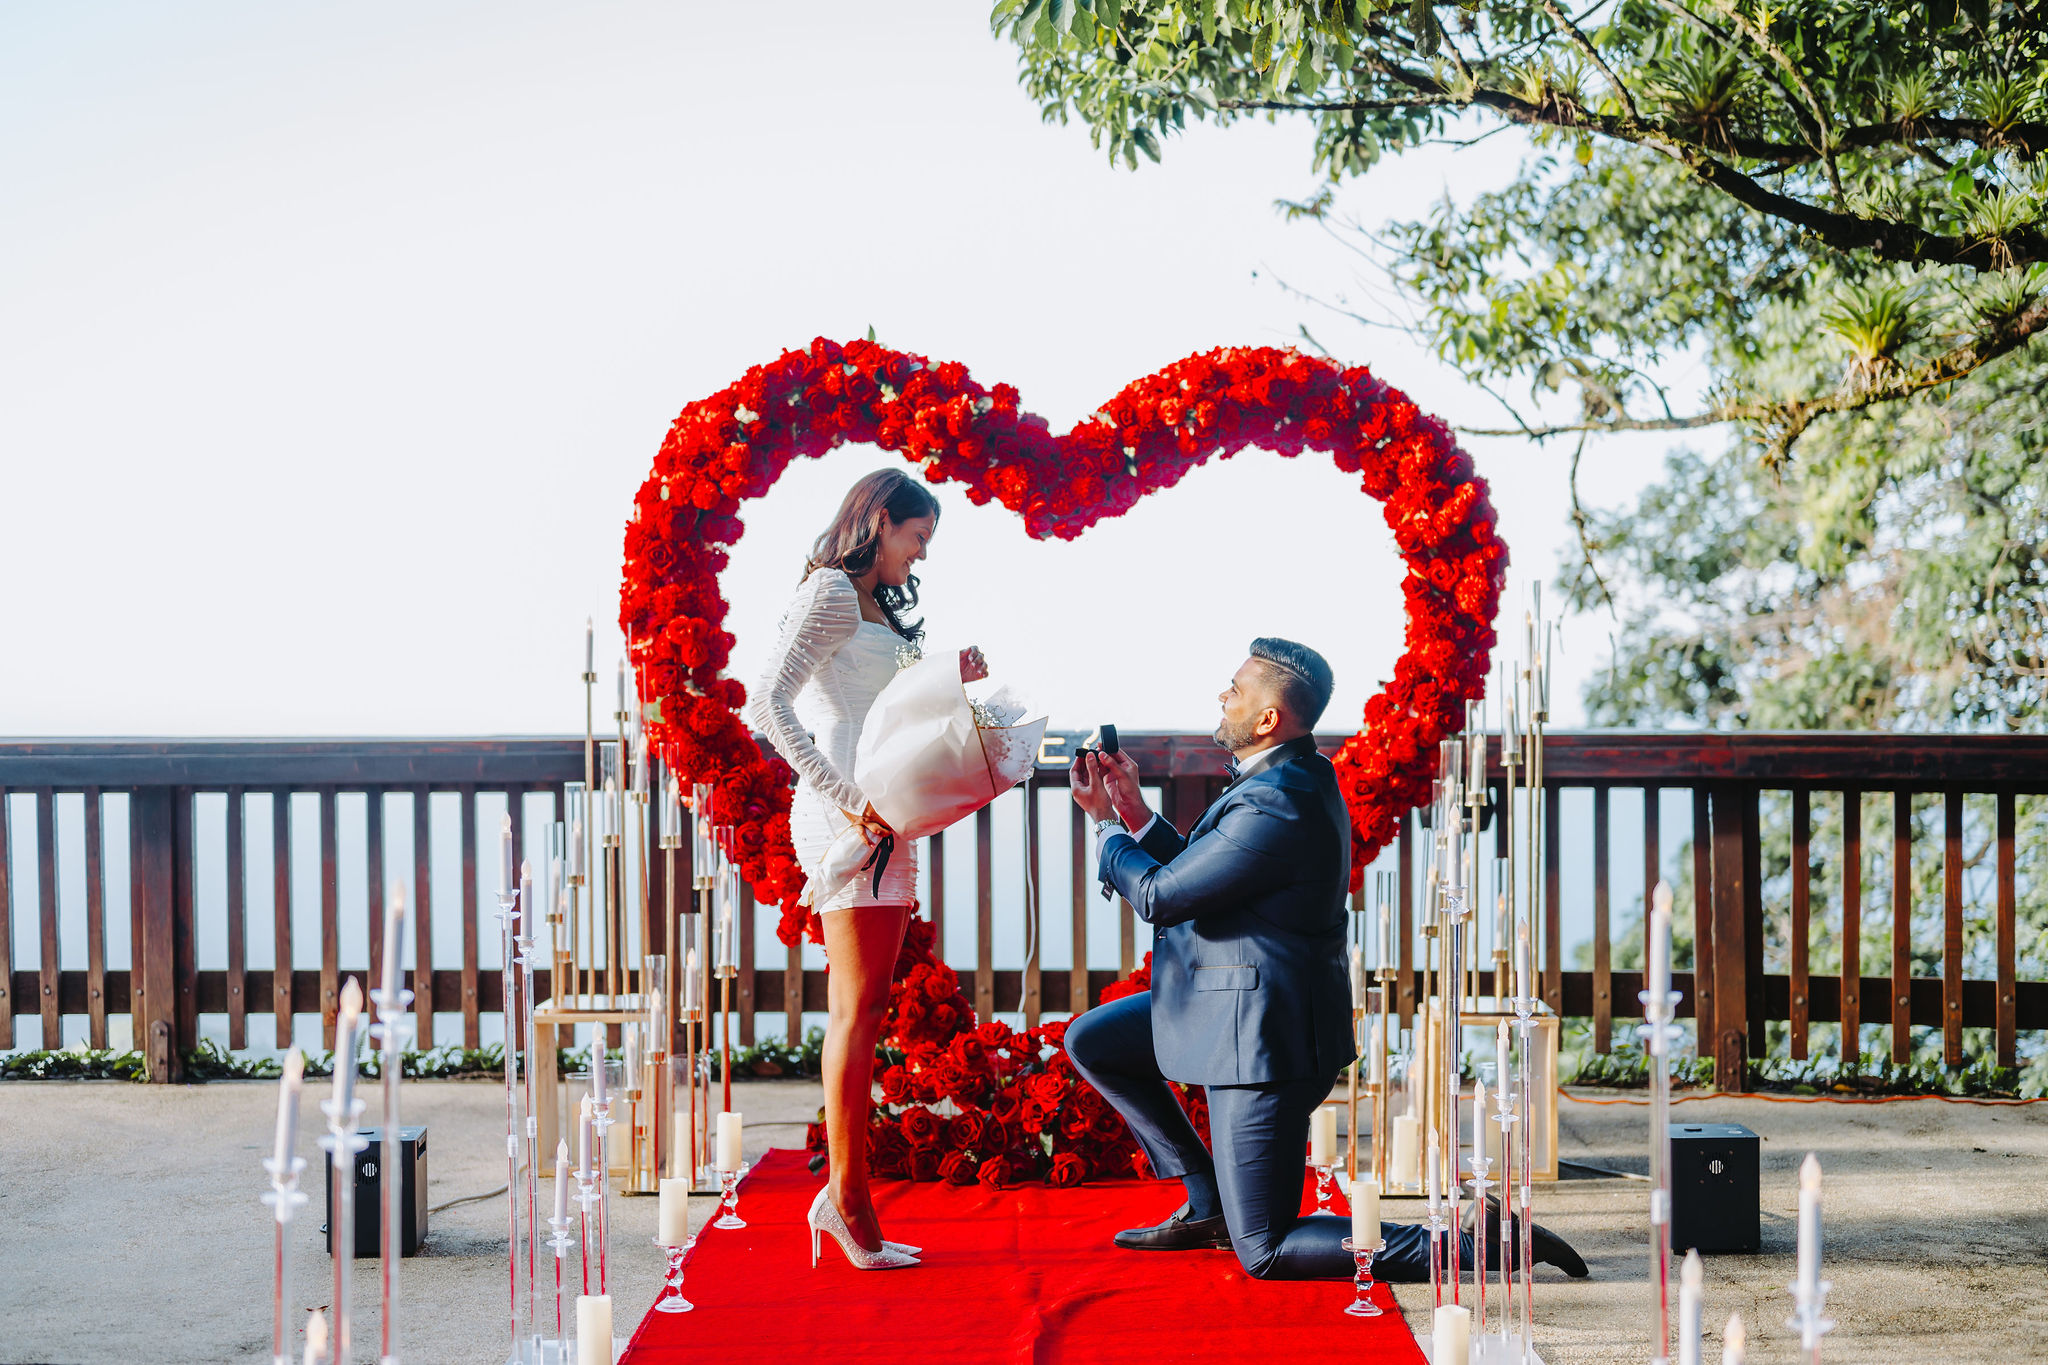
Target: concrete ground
point(130, 1228)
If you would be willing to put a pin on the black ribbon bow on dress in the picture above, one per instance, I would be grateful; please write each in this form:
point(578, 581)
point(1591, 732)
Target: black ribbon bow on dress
point(879, 860)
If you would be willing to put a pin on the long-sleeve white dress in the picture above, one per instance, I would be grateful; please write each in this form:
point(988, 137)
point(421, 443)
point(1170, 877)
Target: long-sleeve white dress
point(828, 667)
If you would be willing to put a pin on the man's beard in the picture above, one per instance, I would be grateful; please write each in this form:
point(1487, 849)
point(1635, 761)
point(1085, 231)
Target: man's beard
point(1234, 736)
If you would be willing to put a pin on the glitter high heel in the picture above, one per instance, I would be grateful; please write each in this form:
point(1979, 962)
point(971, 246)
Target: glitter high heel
point(824, 1219)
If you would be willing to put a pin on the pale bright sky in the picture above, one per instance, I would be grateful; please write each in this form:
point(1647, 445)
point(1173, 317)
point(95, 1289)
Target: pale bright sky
point(334, 342)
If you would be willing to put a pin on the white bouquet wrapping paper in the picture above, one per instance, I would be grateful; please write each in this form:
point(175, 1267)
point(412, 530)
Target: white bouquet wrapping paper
point(928, 756)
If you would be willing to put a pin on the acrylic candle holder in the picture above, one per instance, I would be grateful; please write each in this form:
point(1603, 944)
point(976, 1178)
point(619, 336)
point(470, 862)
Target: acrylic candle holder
point(729, 1199)
point(1326, 1185)
point(672, 1300)
point(1809, 1318)
point(284, 1198)
point(1362, 1305)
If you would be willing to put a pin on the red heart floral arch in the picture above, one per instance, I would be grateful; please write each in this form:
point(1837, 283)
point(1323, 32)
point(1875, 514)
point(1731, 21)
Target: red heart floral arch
point(733, 445)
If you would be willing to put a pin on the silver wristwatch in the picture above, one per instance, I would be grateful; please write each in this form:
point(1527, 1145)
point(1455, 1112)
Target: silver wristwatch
point(1104, 826)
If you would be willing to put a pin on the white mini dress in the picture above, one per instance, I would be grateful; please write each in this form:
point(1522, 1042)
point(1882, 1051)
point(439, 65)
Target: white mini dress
point(828, 667)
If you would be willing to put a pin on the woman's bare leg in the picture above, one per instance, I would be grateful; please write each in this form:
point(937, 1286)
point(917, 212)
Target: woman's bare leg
point(861, 945)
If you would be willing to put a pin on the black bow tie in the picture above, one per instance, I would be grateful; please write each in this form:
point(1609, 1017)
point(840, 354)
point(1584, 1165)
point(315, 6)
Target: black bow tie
point(1232, 769)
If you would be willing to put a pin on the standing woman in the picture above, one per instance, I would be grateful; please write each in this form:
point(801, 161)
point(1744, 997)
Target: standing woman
point(841, 642)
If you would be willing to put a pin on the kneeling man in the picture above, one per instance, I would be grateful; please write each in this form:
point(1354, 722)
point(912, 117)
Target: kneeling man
point(1250, 996)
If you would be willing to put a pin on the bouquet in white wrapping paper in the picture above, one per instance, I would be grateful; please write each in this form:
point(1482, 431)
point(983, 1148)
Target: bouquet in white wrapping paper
point(929, 756)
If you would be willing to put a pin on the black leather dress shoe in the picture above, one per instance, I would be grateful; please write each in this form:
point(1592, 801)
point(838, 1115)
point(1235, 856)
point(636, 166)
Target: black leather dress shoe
point(1546, 1246)
point(1178, 1233)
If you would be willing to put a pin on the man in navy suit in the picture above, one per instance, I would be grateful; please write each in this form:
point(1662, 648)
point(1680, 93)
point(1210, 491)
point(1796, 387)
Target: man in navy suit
point(1250, 997)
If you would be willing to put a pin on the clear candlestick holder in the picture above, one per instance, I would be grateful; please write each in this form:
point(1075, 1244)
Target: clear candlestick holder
point(1326, 1185)
point(1506, 1119)
point(1809, 1318)
point(729, 1199)
point(672, 1300)
point(587, 1198)
point(601, 1124)
point(1436, 1253)
point(1481, 1166)
point(560, 1244)
point(284, 1198)
point(1362, 1306)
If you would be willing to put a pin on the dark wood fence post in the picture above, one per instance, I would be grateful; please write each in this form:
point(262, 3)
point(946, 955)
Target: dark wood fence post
point(152, 824)
point(1731, 1006)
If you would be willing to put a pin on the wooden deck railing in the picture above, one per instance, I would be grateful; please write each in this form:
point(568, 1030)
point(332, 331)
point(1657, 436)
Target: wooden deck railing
point(1729, 993)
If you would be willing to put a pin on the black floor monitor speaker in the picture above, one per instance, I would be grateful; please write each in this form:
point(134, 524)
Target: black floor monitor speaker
point(369, 1193)
point(1715, 1193)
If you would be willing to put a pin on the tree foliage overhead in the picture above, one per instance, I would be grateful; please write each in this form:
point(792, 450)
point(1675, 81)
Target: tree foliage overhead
point(1880, 154)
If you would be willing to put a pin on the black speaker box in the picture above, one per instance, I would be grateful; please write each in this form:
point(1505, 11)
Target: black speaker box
point(412, 1193)
point(1715, 1192)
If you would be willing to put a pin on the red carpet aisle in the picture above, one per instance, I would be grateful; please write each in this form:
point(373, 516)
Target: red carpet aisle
point(1018, 1277)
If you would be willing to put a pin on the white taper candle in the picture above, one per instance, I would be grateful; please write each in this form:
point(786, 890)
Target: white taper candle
point(1734, 1341)
point(562, 1180)
point(1690, 1277)
point(288, 1108)
point(394, 940)
point(1809, 1229)
point(507, 879)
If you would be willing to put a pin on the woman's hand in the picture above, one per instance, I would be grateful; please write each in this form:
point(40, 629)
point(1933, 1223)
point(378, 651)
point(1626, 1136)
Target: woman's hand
point(973, 668)
point(874, 824)
point(1091, 791)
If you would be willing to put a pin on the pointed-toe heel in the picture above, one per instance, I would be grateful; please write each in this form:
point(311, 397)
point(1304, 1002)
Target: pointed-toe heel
point(825, 1221)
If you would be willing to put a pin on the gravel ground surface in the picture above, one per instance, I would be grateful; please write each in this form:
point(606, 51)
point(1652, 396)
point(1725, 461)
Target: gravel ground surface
point(132, 1230)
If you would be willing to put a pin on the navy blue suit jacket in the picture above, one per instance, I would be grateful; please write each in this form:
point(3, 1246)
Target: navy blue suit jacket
point(1249, 983)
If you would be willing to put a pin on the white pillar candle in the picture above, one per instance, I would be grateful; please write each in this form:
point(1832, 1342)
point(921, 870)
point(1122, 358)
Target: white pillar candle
point(583, 1118)
point(589, 646)
point(579, 858)
point(1690, 1276)
point(1365, 1213)
point(1379, 1054)
point(675, 1212)
point(1406, 1150)
point(1357, 977)
point(728, 1140)
point(1734, 1341)
point(593, 1329)
point(1386, 935)
point(622, 684)
point(316, 1338)
point(1451, 1335)
point(562, 1180)
point(693, 986)
point(394, 940)
point(288, 1109)
point(632, 1059)
point(1809, 1229)
point(1322, 1137)
point(507, 880)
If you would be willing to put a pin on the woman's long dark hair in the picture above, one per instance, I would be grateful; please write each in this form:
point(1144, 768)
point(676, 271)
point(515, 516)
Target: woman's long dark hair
point(850, 542)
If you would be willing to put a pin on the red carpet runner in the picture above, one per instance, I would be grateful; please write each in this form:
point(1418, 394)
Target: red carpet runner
point(1018, 1277)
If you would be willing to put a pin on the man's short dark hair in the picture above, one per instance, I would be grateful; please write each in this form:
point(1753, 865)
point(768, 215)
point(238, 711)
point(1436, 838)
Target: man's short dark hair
point(1302, 676)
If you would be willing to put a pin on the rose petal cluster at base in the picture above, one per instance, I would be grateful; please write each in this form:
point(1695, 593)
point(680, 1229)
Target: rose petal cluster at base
point(735, 444)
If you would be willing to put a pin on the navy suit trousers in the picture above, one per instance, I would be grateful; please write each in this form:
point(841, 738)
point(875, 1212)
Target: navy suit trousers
point(1260, 1134)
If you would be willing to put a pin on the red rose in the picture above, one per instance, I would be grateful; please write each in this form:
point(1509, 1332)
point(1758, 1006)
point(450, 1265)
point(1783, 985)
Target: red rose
point(896, 1086)
point(1067, 1170)
point(968, 1130)
point(920, 1127)
point(957, 1168)
point(994, 1173)
point(924, 1163)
